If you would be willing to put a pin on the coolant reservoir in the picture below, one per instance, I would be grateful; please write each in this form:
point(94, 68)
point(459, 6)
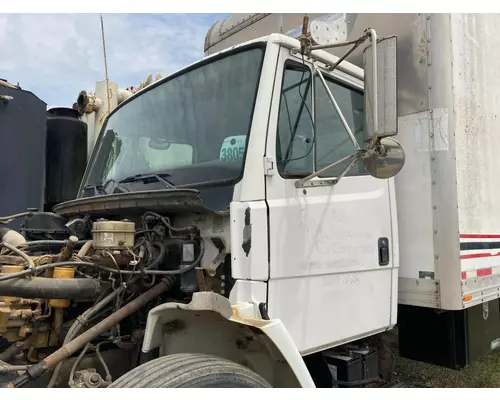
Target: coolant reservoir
point(113, 235)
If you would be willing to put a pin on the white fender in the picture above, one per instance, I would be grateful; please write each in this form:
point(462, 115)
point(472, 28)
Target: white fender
point(210, 325)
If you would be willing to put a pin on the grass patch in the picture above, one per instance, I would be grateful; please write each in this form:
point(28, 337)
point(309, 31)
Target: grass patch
point(484, 373)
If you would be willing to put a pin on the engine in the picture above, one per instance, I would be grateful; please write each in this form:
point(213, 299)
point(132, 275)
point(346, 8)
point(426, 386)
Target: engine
point(74, 295)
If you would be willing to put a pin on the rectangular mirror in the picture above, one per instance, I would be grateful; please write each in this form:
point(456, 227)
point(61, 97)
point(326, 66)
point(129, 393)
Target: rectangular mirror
point(381, 92)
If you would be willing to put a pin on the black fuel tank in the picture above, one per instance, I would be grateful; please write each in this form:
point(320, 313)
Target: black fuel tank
point(66, 155)
point(22, 146)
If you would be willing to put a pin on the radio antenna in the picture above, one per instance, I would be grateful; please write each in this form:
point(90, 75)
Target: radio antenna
point(105, 65)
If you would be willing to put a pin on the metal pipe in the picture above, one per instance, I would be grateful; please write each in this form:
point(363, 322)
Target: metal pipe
point(302, 181)
point(337, 108)
point(346, 54)
point(334, 45)
point(80, 322)
point(346, 170)
point(70, 348)
point(6, 368)
point(69, 247)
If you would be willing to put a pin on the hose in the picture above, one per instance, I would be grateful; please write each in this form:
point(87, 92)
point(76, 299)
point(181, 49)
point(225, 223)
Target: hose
point(76, 344)
point(85, 249)
point(11, 351)
point(35, 244)
point(41, 268)
point(48, 288)
point(166, 222)
point(82, 321)
point(75, 364)
point(108, 377)
point(148, 271)
point(31, 264)
point(49, 243)
point(10, 218)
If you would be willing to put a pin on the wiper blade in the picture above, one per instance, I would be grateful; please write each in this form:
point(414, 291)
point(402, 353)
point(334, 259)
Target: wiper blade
point(102, 189)
point(98, 190)
point(116, 185)
point(147, 177)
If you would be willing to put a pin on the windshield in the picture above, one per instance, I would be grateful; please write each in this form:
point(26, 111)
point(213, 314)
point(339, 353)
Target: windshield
point(192, 128)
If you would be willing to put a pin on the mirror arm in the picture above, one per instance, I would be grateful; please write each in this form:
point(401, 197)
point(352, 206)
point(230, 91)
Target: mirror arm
point(337, 108)
point(346, 54)
point(356, 156)
point(340, 44)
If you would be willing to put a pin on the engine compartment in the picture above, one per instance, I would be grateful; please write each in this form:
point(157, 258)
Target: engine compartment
point(75, 290)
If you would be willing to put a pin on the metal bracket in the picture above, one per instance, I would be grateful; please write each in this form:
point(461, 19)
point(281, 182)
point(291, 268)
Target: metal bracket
point(269, 166)
point(218, 260)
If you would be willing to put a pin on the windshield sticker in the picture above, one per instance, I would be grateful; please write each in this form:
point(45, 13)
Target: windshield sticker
point(233, 148)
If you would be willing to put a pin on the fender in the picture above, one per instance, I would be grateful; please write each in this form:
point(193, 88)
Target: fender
point(209, 324)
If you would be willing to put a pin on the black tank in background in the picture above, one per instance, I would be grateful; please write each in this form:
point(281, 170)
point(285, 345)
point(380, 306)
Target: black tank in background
point(66, 155)
point(22, 152)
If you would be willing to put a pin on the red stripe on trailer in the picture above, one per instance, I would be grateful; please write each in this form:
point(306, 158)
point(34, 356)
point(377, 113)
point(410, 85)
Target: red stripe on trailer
point(478, 236)
point(478, 255)
point(484, 272)
point(464, 276)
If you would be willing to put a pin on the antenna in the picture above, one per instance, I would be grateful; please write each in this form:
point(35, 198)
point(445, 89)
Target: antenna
point(105, 65)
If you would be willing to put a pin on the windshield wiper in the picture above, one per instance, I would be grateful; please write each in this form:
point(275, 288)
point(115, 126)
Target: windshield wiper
point(98, 191)
point(147, 177)
point(102, 189)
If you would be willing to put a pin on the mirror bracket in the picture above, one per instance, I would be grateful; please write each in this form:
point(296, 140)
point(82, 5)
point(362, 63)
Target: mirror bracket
point(337, 109)
point(377, 151)
point(352, 158)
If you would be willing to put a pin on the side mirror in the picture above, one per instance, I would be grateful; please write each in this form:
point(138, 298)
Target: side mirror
point(381, 93)
point(386, 159)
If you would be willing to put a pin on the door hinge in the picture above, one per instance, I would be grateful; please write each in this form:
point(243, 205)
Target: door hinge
point(269, 166)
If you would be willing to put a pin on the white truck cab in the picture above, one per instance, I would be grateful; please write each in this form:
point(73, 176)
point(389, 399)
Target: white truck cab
point(309, 231)
point(302, 201)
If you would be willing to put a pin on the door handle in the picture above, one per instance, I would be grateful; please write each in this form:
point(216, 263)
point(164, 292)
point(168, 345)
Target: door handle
point(383, 251)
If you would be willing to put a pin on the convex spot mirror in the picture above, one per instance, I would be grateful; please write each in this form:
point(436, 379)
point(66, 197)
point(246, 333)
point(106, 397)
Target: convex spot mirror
point(387, 159)
point(380, 81)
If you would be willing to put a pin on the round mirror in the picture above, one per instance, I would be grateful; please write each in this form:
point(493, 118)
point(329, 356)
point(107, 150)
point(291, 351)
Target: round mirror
point(159, 143)
point(387, 159)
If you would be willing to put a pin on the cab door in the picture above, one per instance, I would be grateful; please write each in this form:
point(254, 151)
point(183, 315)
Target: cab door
point(333, 254)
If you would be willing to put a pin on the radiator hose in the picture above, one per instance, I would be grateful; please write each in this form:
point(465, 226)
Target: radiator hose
point(48, 288)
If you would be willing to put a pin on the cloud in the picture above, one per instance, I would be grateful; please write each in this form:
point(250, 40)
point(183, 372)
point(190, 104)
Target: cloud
point(57, 55)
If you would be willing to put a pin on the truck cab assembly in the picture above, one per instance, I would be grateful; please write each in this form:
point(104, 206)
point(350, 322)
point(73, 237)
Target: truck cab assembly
point(262, 217)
